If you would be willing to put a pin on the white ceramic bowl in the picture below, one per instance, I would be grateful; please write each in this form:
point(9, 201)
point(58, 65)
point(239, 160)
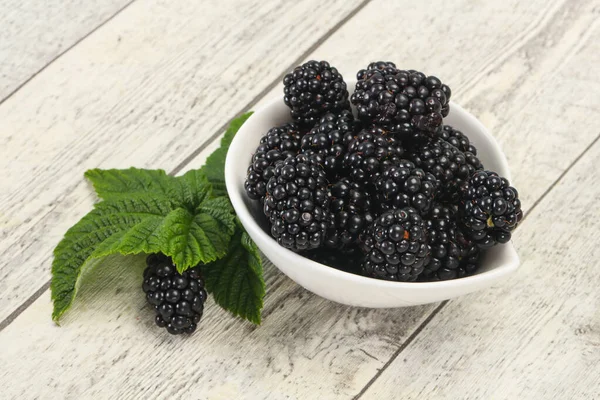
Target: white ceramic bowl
point(344, 287)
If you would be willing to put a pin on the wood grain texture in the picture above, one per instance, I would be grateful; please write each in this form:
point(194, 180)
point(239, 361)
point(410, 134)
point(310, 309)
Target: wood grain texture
point(308, 347)
point(537, 336)
point(146, 90)
point(36, 32)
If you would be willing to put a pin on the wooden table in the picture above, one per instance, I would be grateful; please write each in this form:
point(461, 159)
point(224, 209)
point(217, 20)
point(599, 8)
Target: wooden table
point(152, 84)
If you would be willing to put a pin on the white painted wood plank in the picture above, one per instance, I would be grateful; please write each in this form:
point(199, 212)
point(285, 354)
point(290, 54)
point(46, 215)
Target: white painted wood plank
point(35, 32)
point(145, 90)
point(537, 336)
point(307, 347)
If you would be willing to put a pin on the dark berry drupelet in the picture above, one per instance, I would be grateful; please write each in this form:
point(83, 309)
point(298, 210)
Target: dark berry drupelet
point(458, 139)
point(178, 299)
point(404, 185)
point(453, 254)
point(278, 144)
point(370, 152)
point(350, 204)
point(327, 140)
point(403, 101)
point(489, 208)
point(297, 203)
point(347, 260)
point(396, 246)
point(312, 89)
point(450, 166)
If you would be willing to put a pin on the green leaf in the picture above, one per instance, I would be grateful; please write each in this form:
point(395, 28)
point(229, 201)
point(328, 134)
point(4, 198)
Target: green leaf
point(139, 225)
point(188, 190)
point(188, 218)
point(74, 252)
point(215, 163)
point(143, 237)
point(236, 280)
point(191, 189)
point(191, 239)
point(112, 184)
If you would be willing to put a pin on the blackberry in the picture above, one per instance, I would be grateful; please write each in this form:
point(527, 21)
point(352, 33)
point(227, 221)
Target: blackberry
point(490, 208)
point(178, 299)
point(396, 246)
point(453, 254)
point(279, 143)
point(350, 204)
point(370, 152)
point(457, 139)
point(327, 139)
point(312, 89)
point(403, 101)
point(297, 204)
point(402, 185)
point(345, 260)
point(450, 166)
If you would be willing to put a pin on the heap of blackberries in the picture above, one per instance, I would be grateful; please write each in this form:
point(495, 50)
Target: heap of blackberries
point(385, 185)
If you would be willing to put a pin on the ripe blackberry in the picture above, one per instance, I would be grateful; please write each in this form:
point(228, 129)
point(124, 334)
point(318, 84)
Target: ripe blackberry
point(347, 260)
point(178, 299)
point(453, 254)
point(490, 208)
point(350, 204)
point(450, 166)
point(404, 185)
point(369, 152)
point(312, 89)
point(402, 101)
point(297, 204)
point(457, 139)
point(279, 143)
point(396, 246)
point(327, 139)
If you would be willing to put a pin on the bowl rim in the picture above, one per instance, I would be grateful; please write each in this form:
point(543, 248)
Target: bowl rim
point(235, 194)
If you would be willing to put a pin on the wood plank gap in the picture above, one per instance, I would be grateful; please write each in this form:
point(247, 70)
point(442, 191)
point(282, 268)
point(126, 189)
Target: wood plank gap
point(271, 86)
point(12, 316)
point(59, 55)
point(557, 180)
point(401, 348)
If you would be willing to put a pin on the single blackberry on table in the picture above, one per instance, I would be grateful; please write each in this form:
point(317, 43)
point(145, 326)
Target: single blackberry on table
point(450, 166)
point(350, 204)
point(312, 89)
point(327, 139)
point(402, 184)
point(297, 204)
point(369, 152)
point(278, 143)
point(489, 208)
point(403, 101)
point(453, 254)
point(178, 299)
point(396, 246)
point(457, 139)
